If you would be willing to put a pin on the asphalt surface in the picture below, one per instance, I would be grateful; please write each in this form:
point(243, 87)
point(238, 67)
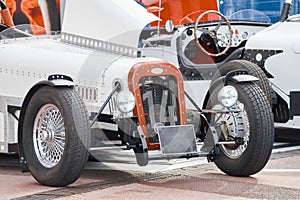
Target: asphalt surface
point(176, 179)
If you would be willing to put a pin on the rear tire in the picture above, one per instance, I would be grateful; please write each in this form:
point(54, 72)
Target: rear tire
point(56, 136)
point(252, 156)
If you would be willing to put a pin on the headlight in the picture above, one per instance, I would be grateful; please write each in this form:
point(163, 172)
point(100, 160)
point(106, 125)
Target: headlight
point(125, 101)
point(228, 96)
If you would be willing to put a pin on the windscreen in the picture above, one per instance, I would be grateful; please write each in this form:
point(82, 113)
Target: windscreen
point(23, 30)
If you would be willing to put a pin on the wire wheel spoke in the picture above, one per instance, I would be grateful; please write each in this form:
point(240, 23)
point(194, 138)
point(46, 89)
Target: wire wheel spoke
point(49, 135)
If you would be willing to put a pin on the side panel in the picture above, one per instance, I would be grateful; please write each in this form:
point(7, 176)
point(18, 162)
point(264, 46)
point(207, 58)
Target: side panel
point(25, 63)
point(295, 103)
point(8, 123)
point(3, 125)
point(2, 132)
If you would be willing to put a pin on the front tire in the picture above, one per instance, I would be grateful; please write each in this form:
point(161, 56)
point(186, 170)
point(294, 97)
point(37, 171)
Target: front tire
point(248, 158)
point(56, 136)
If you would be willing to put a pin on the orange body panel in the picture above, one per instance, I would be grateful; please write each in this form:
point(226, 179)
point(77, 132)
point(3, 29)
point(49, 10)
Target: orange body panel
point(175, 10)
point(144, 69)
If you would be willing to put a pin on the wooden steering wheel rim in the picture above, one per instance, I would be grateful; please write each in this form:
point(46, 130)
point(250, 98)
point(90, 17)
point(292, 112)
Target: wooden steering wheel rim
point(228, 25)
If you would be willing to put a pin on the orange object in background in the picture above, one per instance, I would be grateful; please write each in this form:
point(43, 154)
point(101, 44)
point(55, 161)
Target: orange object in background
point(176, 10)
point(33, 12)
point(6, 17)
point(6, 13)
point(11, 5)
point(29, 11)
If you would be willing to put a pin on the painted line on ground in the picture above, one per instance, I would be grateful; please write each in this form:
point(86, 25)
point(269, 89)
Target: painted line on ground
point(281, 170)
point(286, 149)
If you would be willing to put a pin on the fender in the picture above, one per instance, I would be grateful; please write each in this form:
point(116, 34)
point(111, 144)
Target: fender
point(56, 80)
point(243, 78)
point(236, 76)
point(59, 80)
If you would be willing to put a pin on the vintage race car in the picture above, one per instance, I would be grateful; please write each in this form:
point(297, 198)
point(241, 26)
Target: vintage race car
point(61, 93)
point(203, 44)
point(276, 51)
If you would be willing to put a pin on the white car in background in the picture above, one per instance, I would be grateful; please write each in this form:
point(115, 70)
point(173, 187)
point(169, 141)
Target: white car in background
point(276, 50)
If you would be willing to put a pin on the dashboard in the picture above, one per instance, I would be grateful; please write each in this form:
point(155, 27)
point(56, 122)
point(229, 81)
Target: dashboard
point(242, 31)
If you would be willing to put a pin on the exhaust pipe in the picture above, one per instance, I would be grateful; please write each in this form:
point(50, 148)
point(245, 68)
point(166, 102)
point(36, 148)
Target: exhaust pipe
point(285, 10)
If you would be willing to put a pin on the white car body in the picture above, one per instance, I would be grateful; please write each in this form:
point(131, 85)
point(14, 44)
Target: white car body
point(64, 93)
point(283, 41)
point(50, 52)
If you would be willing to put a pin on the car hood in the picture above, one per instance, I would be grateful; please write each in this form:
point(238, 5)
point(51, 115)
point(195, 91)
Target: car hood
point(109, 20)
point(280, 36)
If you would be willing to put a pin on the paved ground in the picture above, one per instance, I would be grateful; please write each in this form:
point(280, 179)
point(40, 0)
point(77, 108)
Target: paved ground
point(176, 179)
point(279, 180)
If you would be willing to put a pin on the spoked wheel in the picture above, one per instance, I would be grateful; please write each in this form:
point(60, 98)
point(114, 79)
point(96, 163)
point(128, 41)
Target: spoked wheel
point(56, 136)
point(213, 33)
point(251, 156)
point(49, 135)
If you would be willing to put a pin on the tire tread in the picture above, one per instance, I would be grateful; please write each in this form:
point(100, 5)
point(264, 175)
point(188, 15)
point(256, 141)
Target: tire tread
point(261, 136)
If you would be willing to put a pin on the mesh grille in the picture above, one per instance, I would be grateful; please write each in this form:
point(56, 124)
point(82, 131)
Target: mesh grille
point(160, 103)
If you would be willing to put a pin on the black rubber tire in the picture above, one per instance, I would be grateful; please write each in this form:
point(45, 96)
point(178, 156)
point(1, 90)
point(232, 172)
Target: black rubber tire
point(261, 129)
point(252, 68)
point(77, 136)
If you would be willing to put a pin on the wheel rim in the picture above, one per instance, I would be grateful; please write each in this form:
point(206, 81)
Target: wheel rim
point(49, 135)
point(233, 151)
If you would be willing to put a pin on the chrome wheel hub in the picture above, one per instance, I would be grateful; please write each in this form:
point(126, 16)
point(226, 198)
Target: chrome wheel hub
point(228, 124)
point(49, 135)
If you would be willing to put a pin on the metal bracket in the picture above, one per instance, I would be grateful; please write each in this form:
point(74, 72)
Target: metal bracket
point(141, 152)
point(240, 125)
point(211, 140)
point(143, 139)
point(12, 110)
point(116, 88)
point(192, 101)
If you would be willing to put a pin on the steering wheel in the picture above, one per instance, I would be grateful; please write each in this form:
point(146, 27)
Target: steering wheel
point(189, 18)
point(213, 33)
